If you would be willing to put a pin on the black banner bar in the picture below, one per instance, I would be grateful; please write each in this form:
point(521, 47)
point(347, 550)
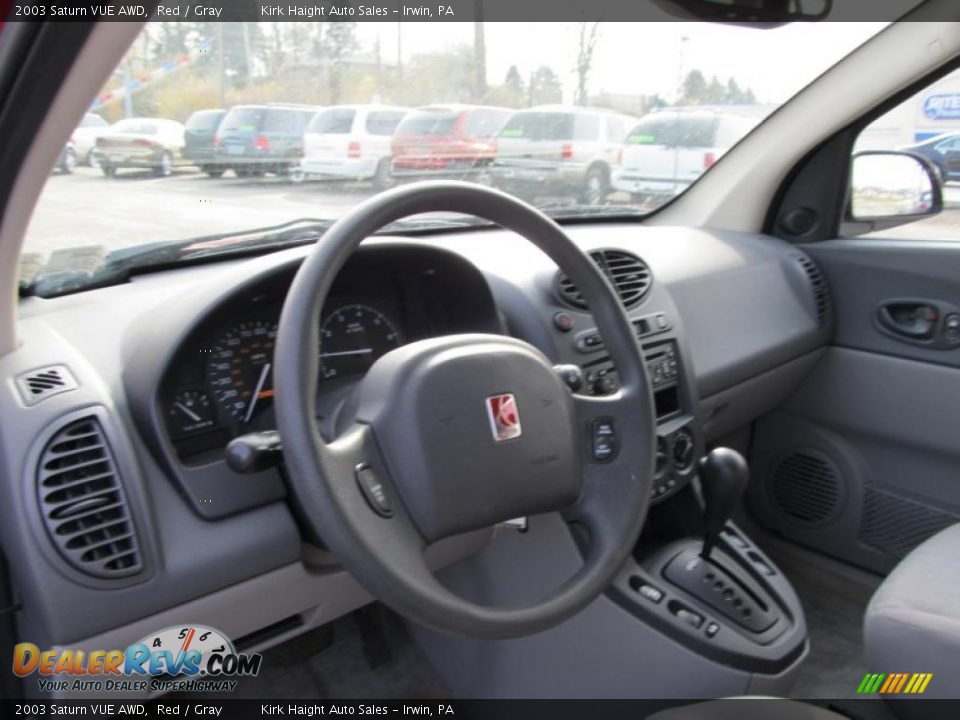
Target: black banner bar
point(741, 708)
point(416, 10)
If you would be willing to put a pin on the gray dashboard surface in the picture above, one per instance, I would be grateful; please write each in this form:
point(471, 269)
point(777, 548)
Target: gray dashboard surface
point(743, 303)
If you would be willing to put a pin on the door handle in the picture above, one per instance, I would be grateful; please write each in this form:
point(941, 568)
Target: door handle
point(913, 320)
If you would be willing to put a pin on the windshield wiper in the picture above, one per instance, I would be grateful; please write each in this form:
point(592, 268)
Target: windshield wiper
point(71, 269)
point(572, 211)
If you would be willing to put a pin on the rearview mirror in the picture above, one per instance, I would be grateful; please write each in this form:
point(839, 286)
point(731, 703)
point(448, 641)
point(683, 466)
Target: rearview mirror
point(768, 13)
point(891, 188)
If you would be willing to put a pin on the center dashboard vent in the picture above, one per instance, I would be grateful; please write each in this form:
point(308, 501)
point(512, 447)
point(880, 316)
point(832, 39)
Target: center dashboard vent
point(821, 293)
point(628, 274)
point(83, 503)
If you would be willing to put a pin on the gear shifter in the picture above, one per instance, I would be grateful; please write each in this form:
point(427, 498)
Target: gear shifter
point(723, 479)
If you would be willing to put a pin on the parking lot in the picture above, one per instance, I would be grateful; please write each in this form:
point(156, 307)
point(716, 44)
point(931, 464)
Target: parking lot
point(86, 208)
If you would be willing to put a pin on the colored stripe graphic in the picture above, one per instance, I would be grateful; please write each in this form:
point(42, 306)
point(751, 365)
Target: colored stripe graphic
point(894, 683)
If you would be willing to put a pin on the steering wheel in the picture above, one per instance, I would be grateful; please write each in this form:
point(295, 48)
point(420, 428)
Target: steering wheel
point(457, 433)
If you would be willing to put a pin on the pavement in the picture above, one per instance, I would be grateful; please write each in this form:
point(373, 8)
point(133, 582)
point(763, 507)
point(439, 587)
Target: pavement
point(86, 208)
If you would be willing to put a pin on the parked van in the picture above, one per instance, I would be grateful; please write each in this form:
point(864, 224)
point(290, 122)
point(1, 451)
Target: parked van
point(257, 139)
point(669, 149)
point(448, 141)
point(352, 142)
point(198, 138)
point(556, 149)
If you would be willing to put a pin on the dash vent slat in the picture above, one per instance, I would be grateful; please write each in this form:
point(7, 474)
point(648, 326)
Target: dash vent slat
point(83, 502)
point(821, 293)
point(628, 274)
point(38, 385)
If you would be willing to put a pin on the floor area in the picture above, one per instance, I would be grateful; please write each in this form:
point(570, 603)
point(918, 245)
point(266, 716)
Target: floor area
point(834, 599)
point(341, 661)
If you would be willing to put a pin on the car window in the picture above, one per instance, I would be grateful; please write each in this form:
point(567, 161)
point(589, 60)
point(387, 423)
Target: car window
point(427, 122)
point(204, 120)
point(279, 121)
point(926, 124)
point(335, 121)
point(383, 122)
point(539, 126)
point(674, 130)
point(243, 119)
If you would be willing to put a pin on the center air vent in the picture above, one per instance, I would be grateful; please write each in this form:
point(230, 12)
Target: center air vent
point(629, 275)
point(83, 504)
point(821, 293)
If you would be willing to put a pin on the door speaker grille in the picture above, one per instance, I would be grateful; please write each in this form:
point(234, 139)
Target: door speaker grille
point(804, 485)
point(895, 524)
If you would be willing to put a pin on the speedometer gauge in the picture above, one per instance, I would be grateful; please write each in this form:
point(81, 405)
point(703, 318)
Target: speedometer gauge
point(239, 368)
point(352, 337)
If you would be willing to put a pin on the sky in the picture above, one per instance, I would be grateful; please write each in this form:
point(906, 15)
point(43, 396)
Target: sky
point(646, 58)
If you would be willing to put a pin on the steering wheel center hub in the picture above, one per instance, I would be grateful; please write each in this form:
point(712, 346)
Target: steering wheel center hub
point(475, 429)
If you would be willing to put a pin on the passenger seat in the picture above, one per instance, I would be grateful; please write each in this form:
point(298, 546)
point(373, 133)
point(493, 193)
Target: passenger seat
point(912, 624)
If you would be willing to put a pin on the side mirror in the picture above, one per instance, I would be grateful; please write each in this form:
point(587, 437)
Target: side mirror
point(889, 189)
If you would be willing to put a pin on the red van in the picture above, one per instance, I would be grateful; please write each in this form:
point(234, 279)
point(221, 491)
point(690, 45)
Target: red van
point(448, 141)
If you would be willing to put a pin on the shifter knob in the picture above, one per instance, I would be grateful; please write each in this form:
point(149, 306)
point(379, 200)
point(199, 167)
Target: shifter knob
point(724, 475)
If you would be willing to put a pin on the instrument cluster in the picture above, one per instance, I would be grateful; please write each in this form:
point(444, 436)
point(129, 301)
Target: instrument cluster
point(219, 383)
point(231, 391)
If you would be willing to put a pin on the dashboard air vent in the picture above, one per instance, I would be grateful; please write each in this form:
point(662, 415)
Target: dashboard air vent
point(821, 293)
point(629, 275)
point(45, 382)
point(83, 504)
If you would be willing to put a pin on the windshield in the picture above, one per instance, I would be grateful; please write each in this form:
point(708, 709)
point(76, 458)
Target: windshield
point(307, 119)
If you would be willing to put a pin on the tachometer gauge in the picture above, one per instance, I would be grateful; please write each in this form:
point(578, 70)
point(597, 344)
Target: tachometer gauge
point(190, 411)
point(352, 337)
point(238, 370)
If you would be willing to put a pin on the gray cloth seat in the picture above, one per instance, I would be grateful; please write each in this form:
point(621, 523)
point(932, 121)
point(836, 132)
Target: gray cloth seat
point(912, 624)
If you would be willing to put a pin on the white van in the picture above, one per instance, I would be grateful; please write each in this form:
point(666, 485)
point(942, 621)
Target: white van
point(351, 142)
point(669, 149)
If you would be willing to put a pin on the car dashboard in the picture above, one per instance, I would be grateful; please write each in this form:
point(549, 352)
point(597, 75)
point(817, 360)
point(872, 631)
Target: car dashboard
point(175, 364)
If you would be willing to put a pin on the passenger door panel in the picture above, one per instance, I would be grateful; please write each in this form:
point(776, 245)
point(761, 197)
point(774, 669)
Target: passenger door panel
point(861, 461)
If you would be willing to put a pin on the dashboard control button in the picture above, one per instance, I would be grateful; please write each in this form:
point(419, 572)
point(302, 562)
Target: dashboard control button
point(604, 385)
point(373, 491)
point(571, 375)
point(712, 629)
point(651, 593)
point(603, 440)
point(563, 321)
point(691, 618)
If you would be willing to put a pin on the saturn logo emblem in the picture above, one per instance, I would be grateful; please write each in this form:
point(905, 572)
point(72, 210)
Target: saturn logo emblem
point(504, 417)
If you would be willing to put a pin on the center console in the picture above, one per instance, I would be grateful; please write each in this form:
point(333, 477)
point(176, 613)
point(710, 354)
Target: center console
point(723, 598)
point(677, 442)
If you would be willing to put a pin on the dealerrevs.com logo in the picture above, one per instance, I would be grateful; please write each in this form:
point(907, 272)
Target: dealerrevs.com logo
point(191, 658)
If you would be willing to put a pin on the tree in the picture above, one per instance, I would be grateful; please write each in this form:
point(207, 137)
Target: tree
point(588, 36)
point(545, 87)
point(446, 74)
point(511, 93)
point(715, 92)
point(694, 88)
point(334, 45)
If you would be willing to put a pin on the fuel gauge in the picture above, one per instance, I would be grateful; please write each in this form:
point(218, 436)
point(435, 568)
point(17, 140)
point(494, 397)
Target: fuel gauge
point(190, 411)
